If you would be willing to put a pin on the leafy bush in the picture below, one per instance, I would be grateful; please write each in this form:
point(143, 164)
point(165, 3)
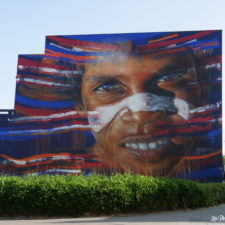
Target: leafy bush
point(99, 194)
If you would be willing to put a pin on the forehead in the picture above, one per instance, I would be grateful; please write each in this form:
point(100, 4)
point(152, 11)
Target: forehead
point(137, 64)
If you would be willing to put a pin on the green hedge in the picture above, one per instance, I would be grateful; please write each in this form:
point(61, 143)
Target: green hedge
point(99, 195)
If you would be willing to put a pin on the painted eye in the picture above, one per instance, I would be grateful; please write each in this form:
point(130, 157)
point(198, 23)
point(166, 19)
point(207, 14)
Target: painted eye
point(108, 87)
point(171, 76)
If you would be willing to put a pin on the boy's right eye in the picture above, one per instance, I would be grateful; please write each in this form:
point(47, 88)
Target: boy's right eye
point(108, 87)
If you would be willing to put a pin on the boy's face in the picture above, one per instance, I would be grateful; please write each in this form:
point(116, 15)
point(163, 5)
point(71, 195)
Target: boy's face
point(137, 99)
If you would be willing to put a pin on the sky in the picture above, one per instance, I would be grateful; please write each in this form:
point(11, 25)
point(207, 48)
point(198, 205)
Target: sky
point(24, 25)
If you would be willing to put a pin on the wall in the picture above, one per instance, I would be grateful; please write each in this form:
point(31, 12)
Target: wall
point(144, 103)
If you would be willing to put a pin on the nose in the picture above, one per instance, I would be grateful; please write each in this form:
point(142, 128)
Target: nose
point(141, 117)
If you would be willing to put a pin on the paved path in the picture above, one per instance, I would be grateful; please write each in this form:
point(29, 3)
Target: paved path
point(191, 217)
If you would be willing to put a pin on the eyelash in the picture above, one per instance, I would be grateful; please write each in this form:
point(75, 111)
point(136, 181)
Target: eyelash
point(108, 87)
point(170, 77)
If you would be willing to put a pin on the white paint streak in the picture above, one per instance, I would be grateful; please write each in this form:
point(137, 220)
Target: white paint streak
point(206, 107)
point(44, 82)
point(48, 131)
point(51, 70)
point(56, 170)
point(135, 103)
point(182, 107)
point(52, 116)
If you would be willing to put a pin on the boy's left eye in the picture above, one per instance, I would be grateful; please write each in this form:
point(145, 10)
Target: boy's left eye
point(172, 76)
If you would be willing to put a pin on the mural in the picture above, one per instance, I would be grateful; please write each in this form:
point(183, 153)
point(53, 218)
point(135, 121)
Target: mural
point(143, 103)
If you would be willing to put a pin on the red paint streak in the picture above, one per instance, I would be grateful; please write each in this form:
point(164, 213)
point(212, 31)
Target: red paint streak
point(203, 156)
point(70, 43)
point(187, 122)
point(45, 62)
point(44, 112)
point(199, 46)
point(192, 129)
point(49, 155)
point(175, 41)
point(164, 38)
point(173, 50)
point(73, 57)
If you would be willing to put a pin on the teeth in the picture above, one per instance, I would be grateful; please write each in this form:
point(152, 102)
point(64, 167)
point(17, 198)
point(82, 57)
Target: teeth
point(163, 141)
point(143, 146)
point(134, 146)
point(152, 145)
point(147, 146)
point(128, 145)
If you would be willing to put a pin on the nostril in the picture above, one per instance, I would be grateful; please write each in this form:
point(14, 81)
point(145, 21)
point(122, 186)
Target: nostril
point(167, 113)
point(127, 115)
point(126, 110)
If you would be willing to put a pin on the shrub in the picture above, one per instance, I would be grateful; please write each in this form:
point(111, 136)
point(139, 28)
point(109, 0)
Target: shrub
point(99, 194)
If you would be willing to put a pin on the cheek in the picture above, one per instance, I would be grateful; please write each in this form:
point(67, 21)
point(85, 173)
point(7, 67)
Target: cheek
point(187, 141)
point(181, 140)
point(180, 91)
point(183, 89)
point(107, 141)
point(89, 103)
point(88, 98)
point(86, 101)
point(110, 134)
point(175, 118)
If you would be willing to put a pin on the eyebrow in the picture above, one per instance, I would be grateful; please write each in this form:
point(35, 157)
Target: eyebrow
point(173, 67)
point(101, 79)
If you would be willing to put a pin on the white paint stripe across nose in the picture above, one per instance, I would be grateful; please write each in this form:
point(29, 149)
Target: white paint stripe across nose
point(135, 103)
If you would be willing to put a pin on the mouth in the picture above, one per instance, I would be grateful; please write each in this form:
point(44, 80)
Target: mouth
point(144, 148)
point(147, 145)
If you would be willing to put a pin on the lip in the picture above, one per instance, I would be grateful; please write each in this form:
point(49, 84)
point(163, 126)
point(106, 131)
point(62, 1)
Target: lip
point(144, 146)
